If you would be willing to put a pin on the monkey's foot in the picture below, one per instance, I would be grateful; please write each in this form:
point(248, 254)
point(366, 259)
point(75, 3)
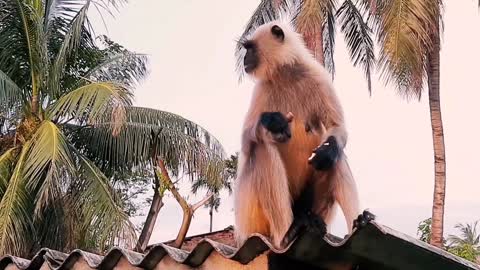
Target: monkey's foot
point(363, 219)
point(306, 222)
point(326, 155)
point(277, 124)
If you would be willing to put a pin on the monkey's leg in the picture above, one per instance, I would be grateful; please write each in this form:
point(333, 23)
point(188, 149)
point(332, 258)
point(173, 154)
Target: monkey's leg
point(304, 217)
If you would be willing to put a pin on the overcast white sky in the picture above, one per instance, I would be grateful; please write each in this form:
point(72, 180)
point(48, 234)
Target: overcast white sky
point(191, 47)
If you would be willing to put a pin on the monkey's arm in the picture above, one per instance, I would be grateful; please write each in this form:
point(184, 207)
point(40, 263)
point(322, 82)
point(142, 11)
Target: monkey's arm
point(330, 123)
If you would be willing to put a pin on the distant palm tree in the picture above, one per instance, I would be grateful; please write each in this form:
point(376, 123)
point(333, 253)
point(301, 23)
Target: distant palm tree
point(52, 75)
point(467, 245)
point(409, 38)
point(469, 235)
point(317, 20)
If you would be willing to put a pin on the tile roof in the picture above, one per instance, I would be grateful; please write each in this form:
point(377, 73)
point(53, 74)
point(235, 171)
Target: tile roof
point(373, 247)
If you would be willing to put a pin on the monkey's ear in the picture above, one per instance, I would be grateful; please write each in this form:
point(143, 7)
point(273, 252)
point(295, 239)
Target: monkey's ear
point(278, 32)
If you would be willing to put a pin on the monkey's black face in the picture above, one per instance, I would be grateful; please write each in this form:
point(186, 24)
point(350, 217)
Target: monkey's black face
point(250, 61)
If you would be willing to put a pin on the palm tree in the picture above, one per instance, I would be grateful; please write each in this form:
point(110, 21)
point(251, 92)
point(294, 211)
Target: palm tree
point(316, 20)
point(165, 143)
point(468, 244)
point(409, 38)
point(53, 76)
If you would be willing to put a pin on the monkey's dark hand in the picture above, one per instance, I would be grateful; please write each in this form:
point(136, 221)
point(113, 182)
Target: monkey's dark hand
point(363, 219)
point(277, 124)
point(326, 155)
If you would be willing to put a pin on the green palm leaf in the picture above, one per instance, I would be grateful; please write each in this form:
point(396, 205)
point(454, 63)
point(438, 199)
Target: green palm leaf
point(47, 165)
point(405, 31)
point(125, 67)
point(91, 102)
point(100, 206)
point(181, 143)
point(16, 221)
point(7, 163)
point(10, 93)
point(358, 38)
point(69, 46)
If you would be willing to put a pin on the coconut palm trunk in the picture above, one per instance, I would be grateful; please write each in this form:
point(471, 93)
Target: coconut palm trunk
point(157, 204)
point(438, 144)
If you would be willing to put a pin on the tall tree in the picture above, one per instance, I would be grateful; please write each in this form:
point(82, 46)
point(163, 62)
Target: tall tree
point(317, 20)
point(409, 38)
point(53, 76)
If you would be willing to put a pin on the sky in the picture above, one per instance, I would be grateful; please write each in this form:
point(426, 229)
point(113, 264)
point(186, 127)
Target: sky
point(191, 49)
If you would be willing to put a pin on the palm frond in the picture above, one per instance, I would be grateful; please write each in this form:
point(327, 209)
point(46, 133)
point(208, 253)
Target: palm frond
point(100, 206)
point(15, 217)
point(358, 38)
point(329, 42)
point(124, 67)
point(313, 19)
point(148, 133)
point(405, 30)
point(92, 102)
point(22, 56)
point(7, 162)
point(48, 163)
point(10, 93)
point(267, 10)
point(69, 46)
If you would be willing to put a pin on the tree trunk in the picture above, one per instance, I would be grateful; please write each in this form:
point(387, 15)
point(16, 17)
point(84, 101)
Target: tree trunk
point(188, 210)
point(147, 230)
point(438, 145)
point(211, 218)
point(314, 42)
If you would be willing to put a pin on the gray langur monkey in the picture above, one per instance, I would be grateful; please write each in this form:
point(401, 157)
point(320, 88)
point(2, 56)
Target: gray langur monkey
point(293, 111)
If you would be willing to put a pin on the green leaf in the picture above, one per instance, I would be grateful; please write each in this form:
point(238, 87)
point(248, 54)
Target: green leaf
point(7, 163)
point(102, 214)
point(47, 165)
point(91, 102)
point(69, 46)
point(358, 38)
point(15, 216)
point(181, 143)
point(125, 67)
point(406, 31)
point(10, 93)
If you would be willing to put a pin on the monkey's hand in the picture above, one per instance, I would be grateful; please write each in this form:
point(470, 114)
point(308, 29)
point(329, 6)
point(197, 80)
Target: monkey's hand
point(277, 124)
point(326, 155)
point(363, 219)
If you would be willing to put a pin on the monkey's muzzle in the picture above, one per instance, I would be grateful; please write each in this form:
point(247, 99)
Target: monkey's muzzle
point(250, 61)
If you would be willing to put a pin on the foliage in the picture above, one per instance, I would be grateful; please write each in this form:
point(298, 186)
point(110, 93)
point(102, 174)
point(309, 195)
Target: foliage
point(467, 245)
point(424, 230)
point(54, 76)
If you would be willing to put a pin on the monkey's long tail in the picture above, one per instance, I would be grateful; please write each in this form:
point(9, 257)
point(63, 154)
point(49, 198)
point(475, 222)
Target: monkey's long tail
point(346, 192)
point(263, 203)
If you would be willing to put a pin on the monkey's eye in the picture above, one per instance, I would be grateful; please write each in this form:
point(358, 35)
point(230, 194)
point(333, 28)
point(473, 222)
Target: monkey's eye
point(278, 32)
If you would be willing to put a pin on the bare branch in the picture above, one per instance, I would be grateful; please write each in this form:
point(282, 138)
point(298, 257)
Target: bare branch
point(201, 202)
